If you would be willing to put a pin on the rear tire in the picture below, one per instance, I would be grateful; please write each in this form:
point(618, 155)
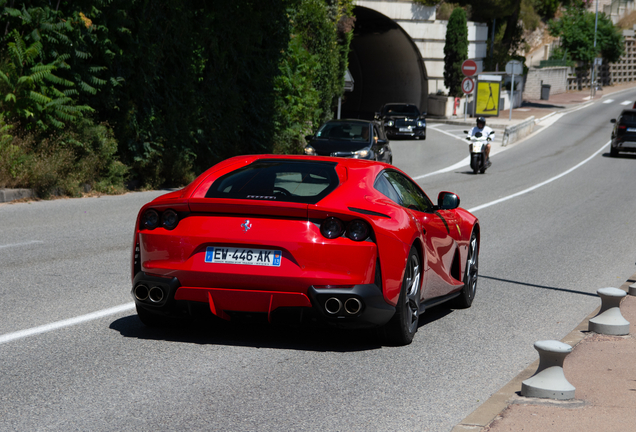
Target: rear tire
point(613, 151)
point(403, 326)
point(474, 162)
point(467, 295)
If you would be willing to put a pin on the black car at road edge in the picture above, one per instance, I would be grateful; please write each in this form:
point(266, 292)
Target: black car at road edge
point(624, 133)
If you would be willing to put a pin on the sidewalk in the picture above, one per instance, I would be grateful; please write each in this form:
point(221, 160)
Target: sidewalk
point(539, 109)
point(601, 368)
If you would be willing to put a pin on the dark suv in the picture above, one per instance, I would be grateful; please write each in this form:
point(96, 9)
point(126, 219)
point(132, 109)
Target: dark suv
point(402, 120)
point(624, 133)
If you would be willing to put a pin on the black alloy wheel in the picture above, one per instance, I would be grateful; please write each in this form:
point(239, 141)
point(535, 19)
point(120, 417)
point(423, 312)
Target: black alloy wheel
point(402, 327)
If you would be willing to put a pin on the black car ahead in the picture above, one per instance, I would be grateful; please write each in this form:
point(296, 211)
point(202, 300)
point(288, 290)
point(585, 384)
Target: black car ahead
point(402, 120)
point(624, 133)
point(359, 139)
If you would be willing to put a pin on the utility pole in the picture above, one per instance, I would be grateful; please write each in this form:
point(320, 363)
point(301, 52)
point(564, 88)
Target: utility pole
point(593, 68)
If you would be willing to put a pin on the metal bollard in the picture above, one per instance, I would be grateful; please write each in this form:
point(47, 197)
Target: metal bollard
point(549, 380)
point(609, 320)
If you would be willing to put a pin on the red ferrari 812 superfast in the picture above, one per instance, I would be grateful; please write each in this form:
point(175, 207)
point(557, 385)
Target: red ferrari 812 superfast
point(355, 243)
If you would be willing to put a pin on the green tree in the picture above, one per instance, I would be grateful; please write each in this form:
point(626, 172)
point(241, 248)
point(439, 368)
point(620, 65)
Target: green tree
point(455, 51)
point(32, 92)
point(312, 70)
point(187, 84)
point(575, 28)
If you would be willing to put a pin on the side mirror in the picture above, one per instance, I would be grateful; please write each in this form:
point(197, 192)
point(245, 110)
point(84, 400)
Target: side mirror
point(613, 121)
point(382, 141)
point(424, 114)
point(447, 201)
point(309, 137)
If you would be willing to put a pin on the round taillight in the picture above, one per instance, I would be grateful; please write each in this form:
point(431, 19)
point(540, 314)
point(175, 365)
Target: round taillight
point(358, 230)
point(150, 219)
point(332, 228)
point(169, 219)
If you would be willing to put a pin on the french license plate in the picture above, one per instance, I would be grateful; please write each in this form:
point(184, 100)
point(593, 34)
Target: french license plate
point(405, 129)
point(232, 255)
point(631, 129)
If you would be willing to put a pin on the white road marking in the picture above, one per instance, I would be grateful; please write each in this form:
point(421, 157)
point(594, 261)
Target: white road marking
point(449, 134)
point(447, 169)
point(627, 102)
point(537, 186)
point(21, 244)
point(608, 101)
point(65, 323)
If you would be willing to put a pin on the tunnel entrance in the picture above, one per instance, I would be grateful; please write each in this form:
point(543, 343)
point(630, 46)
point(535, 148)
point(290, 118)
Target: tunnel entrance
point(386, 67)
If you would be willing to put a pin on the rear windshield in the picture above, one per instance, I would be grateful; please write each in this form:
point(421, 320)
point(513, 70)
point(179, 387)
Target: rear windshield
point(276, 180)
point(628, 118)
point(410, 110)
point(344, 131)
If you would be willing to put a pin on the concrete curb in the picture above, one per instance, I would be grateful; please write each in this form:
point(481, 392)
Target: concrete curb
point(516, 132)
point(509, 394)
point(8, 195)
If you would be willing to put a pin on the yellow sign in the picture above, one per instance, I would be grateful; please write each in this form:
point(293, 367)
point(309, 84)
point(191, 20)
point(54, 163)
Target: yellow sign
point(487, 98)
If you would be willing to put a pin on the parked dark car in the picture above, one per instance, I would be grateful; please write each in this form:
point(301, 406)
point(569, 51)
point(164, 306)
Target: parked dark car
point(358, 139)
point(624, 133)
point(402, 120)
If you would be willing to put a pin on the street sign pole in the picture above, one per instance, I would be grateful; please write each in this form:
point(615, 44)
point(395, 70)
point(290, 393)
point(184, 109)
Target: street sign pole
point(469, 68)
point(512, 94)
point(513, 67)
point(465, 106)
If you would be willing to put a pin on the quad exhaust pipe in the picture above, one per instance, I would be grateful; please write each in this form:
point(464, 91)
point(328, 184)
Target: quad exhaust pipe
point(141, 292)
point(154, 294)
point(351, 306)
point(333, 306)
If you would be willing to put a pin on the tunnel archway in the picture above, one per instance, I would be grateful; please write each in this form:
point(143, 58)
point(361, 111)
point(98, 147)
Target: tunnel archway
point(386, 66)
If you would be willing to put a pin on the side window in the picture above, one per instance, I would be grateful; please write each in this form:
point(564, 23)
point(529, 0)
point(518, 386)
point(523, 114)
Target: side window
point(383, 186)
point(409, 193)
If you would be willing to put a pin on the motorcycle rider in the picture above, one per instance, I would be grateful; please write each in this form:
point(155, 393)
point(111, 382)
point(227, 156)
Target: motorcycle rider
point(485, 131)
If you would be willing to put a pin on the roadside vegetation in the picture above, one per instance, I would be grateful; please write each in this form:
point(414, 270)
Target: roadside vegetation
point(511, 21)
point(105, 95)
point(110, 95)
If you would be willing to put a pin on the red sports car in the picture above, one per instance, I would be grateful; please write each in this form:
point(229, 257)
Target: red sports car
point(356, 243)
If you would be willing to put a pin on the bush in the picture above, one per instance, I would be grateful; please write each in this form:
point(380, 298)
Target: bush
point(69, 163)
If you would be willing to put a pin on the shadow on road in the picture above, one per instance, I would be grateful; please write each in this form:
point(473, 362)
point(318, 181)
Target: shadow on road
point(539, 286)
point(526, 104)
point(620, 156)
point(258, 333)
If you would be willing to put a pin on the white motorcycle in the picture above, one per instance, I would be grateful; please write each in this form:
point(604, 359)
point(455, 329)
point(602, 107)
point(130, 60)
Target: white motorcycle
point(478, 142)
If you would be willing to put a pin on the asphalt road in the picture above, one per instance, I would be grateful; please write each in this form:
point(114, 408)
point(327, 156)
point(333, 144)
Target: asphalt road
point(544, 253)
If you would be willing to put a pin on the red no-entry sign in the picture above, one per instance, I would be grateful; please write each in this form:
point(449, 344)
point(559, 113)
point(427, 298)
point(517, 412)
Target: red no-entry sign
point(469, 68)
